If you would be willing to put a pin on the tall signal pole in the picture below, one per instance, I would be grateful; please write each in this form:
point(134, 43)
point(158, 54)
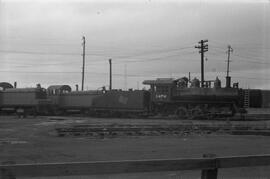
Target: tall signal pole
point(110, 62)
point(83, 55)
point(203, 48)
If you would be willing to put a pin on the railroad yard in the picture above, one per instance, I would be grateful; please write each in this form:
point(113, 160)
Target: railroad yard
point(50, 139)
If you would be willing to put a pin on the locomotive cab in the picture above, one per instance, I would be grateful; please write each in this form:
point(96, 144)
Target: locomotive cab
point(161, 89)
point(161, 93)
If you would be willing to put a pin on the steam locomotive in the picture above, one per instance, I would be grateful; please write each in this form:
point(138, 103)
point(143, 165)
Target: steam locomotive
point(170, 96)
point(181, 98)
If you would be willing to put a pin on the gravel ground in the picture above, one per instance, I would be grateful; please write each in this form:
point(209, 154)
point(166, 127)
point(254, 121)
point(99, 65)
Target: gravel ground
point(33, 140)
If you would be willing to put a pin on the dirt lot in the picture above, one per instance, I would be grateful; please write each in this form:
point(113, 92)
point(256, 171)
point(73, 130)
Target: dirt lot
point(34, 140)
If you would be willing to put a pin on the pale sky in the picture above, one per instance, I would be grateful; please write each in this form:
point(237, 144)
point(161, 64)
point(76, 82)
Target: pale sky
point(40, 41)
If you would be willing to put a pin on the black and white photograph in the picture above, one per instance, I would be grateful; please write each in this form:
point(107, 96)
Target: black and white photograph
point(135, 89)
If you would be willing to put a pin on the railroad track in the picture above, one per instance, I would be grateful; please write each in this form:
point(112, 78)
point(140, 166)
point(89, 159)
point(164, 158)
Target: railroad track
point(154, 130)
point(124, 130)
point(136, 130)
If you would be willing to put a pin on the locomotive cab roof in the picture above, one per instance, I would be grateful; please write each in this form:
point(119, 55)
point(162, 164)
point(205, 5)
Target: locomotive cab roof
point(160, 81)
point(22, 90)
point(59, 88)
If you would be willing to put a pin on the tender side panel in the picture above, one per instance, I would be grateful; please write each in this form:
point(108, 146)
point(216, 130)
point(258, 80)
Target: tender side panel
point(1, 99)
point(77, 100)
point(255, 98)
point(266, 98)
point(19, 98)
point(123, 100)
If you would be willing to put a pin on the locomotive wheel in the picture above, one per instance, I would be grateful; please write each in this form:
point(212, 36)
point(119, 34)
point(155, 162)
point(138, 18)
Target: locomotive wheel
point(196, 113)
point(181, 112)
point(35, 112)
point(20, 112)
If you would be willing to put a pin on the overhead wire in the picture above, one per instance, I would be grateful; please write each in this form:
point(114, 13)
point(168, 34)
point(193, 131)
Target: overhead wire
point(251, 78)
point(243, 58)
point(73, 72)
point(258, 61)
point(118, 58)
point(35, 53)
point(125, 59)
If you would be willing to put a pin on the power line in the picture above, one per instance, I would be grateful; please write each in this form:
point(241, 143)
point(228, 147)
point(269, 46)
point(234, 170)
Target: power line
point(245, 57)
point(36, 53)
point(47, 72)
point(42, 64)
point(90, 54)
point(73, 72)
point(157, 51)
point(150, 59)
point(246, 49)
point(117, 61)
point(255, 54)
point(216, 53)
point(100, 73)
point(251, 78)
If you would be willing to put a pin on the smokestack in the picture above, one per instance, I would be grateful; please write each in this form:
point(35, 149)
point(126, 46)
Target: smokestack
point(228, 81)
point(15, 84)
point(77, 87)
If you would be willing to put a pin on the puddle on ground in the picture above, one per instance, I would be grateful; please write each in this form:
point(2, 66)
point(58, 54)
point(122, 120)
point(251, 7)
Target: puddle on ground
point(12, 141)
point(7, 130)
point(63, 121)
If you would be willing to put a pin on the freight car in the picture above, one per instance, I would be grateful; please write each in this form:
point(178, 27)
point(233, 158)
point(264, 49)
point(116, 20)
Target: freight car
point(64, 100)
point(24, 100)
point(171, 96)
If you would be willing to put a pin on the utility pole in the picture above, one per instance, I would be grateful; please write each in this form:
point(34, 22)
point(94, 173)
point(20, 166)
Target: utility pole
point(83, 55)
point(203, 48)
point(110, 62)
point(228, 78)
point(228, 60)
point(125, 77)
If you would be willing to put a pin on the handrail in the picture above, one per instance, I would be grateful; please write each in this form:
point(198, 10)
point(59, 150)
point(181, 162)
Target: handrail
point(130, 166)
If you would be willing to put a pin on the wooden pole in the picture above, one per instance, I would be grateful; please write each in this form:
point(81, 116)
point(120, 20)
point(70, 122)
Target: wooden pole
point(209, 173)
